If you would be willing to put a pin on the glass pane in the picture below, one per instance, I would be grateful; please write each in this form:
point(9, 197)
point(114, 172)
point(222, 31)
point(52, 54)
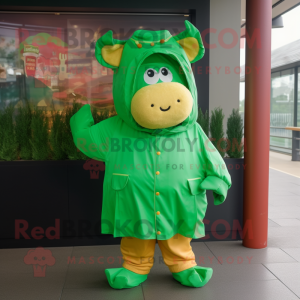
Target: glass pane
point(242, 100)
point(282, 110)
point(298, 112)
point(48, 60)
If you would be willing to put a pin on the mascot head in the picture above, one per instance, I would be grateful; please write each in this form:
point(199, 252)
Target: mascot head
point(153, 86)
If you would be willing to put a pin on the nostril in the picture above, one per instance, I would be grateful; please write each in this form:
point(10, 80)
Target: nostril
point(178, 100)
point(152, 105)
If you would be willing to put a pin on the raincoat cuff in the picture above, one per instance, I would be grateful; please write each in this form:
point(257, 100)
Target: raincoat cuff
point(218, 186)
point(83, 119)
point(221, 193)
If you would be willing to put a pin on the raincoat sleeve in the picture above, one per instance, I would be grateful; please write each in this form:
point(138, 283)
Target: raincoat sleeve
point(217, 177)
point(90, 139)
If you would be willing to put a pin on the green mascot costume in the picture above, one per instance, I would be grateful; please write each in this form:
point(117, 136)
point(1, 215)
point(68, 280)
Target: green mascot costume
point(159, 162)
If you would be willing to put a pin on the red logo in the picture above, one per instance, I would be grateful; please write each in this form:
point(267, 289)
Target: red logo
point(39, 258)
point(94, 166)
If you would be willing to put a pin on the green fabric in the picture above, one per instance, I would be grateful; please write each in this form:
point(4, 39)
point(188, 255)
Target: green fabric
point(188, 164)
point(218, 187)
point(192, 31)
point(194, 277)
point(125, 77)
point(121, 278)
point(156, 62)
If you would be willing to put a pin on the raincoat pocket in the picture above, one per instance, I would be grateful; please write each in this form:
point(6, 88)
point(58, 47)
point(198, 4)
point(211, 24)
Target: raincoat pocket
point(119, 181)
point(194, 186)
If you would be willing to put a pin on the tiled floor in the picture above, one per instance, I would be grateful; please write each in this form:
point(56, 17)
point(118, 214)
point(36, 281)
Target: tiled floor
point(239, 273)
point(283, 162)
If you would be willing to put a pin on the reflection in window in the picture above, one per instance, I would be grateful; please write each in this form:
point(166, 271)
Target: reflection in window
point(298, 112)
point(282, 110)
point(49, 60)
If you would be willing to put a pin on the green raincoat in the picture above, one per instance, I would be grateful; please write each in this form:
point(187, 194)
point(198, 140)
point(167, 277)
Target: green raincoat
point(155, 179)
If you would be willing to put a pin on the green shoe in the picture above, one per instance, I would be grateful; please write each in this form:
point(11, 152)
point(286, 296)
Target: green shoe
point(122, 278)
point(194, 277)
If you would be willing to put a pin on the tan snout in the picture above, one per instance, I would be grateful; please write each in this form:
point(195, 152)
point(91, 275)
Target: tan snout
point(161, 105)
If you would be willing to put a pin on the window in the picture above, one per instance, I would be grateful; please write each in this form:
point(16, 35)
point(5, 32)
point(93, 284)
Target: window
point(298, 106)
point(282, 110)
point(48, 60)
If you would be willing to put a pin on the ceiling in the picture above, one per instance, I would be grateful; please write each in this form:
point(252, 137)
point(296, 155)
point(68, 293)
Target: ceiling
point(279, 7)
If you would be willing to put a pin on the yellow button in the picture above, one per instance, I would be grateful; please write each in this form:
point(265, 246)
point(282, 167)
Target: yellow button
point(158, 213)
point(158, 232)
point(158, 153)
point(157, 173)
point(157, 193)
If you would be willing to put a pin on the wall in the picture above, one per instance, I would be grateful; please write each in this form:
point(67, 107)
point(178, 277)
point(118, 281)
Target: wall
point(224, 88)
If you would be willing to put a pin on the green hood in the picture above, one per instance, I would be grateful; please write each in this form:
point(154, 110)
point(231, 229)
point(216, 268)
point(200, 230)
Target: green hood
point(124, 79)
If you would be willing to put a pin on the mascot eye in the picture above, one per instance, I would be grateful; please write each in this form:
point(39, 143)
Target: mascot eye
point(165, 74)
point(151, 76)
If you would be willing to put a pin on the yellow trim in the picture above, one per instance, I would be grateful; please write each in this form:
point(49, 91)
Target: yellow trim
point(120, 174)
point(194, 178)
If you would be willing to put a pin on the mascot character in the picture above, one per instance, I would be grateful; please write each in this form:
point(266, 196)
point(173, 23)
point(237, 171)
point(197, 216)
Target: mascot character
point(159, 162)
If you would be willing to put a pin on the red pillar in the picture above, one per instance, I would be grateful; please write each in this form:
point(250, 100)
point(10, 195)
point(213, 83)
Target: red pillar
point(257, 122)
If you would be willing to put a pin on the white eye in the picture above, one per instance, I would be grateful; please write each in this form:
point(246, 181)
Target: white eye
point(165, 74)
point(151, 76)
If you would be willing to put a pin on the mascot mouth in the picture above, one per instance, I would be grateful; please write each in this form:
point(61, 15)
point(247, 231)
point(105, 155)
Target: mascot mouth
point(165, 109)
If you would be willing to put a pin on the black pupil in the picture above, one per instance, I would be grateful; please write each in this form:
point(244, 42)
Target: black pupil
point(150, 73)
point(164, 71)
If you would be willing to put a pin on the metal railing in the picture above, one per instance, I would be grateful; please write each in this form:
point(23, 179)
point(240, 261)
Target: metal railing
point(282, 133)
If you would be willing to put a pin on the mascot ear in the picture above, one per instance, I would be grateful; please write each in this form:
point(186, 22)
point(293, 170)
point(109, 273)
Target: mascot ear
point(108, 51)
point(191, 42)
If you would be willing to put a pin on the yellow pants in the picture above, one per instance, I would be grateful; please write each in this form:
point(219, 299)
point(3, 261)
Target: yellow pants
point(138, 254)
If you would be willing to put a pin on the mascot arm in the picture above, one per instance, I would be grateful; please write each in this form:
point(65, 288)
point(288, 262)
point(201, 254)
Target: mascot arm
point(217, 178)
point(86, 135)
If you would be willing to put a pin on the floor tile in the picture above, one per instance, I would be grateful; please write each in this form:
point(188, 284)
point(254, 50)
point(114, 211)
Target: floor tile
point(221, 273)
point(104, 292)
point(284, 201)
point(285, 241)
point(288, 273)
point(97, 251)
point(234, 252)
point(88, 275)
point(245, 290)
point(287, 222)
point(204, 256)
point(293, 252)
point(281, 192)
point(284, 236)
point(12, 260)
point(272, 223)
point(25, 286)
point(284, 212)
point(31, 293)
point(241, 272)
